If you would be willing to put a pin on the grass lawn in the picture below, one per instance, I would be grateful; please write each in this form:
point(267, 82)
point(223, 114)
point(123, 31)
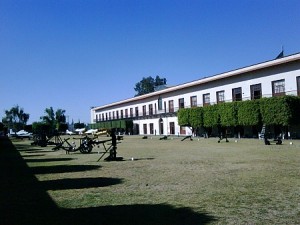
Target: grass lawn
point(167, 182)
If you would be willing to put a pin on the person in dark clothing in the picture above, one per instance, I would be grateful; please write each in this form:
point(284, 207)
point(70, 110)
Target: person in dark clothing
point(222, 133)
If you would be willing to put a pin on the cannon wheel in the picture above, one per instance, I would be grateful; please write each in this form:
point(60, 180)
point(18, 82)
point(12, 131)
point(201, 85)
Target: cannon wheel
point(85, 148)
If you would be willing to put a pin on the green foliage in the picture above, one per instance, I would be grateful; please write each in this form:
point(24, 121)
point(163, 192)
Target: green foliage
point(115, 124)
point(196, 117)
point(294, 105)
point(280, 110)
point(183, 116)
point(15, 118)
point(41, 127)
point(248, 113)
point(62, 127)
point(54, 119)
point(79, 125)
point(148, 84)
point(1, 126)
point(228, 114)
point(211, 116)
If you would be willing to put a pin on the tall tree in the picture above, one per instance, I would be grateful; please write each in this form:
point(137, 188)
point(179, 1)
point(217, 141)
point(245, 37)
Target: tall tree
point(54, 119)
point(148, 84)
point(15, 118)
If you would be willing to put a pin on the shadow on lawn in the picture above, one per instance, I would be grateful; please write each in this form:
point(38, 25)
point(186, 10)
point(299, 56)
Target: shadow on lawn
point(33, 155)
point(137, 214)
point(49, 160)
point(64, 184)
point(62, 169)
point(24, 200)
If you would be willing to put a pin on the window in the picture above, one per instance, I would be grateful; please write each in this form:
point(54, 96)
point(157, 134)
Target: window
point(126, 113)
point(237, 94)
point(193, 101)
point(103, 116)
point(278, 87)
point(136, 111)
point(131, 112)
point(121, 113)
point(172, 128)
point(117, 114)
point(109, 115)
point(206, 99)
point(144, 110)
point(151, 128)
point(113, 114)
point(96, 117)
point(150, 109)
point(298, 85)
point(181, 103)
point(220, 96)
point(255, 91)
point(145, 128)
point(106, 116)
point(159, 103)
point(171, 106)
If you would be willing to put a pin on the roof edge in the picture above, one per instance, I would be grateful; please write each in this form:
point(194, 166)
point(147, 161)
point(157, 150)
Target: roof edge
point(246, 69)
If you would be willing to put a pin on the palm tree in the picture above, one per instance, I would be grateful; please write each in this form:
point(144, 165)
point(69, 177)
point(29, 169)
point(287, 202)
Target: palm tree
point(49, 118)
point(54, 120)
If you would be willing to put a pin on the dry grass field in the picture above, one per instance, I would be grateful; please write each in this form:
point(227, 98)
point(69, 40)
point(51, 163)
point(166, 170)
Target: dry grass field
point(168, 182)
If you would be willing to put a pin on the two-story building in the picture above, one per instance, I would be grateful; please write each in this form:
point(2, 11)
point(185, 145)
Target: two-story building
point(155, 113)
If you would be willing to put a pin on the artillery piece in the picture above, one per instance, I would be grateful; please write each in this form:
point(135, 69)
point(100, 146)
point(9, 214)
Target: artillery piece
point(86, 145)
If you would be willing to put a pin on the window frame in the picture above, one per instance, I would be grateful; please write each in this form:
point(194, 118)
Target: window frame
point(206, 97)
point(193, 100)
point(253, 89)
point(280, 88)
point(218, 96)
point(235, 92)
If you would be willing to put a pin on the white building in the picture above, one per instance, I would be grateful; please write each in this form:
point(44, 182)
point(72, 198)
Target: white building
point(155, 113)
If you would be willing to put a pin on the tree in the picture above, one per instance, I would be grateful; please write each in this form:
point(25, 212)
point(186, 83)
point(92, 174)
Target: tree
point(248, 113)
point(228, 114)
point(283, 111)
point(148, 84)
point(211, 116)
point(80, 125)
point(15, 118)
point(49, 118)
point(56, 120)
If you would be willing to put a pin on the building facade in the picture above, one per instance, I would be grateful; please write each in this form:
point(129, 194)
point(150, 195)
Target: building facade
point(155, 113)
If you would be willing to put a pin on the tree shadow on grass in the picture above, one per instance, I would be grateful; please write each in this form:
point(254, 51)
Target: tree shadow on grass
point(33, 155)
point(24, 200)
point(64, 184)
point(62, 169)
point(153, 214)
point(49, 160)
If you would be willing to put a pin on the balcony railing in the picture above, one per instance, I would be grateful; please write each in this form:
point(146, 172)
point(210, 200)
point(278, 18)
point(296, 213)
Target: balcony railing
point(155, 113)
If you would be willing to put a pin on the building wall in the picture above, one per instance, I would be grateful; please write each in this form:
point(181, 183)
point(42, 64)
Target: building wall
point(150, 123)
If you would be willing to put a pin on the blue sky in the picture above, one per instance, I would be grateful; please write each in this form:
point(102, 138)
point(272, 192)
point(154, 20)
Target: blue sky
point(74, 54)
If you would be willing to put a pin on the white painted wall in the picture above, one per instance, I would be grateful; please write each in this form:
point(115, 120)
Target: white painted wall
point(288, 71)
